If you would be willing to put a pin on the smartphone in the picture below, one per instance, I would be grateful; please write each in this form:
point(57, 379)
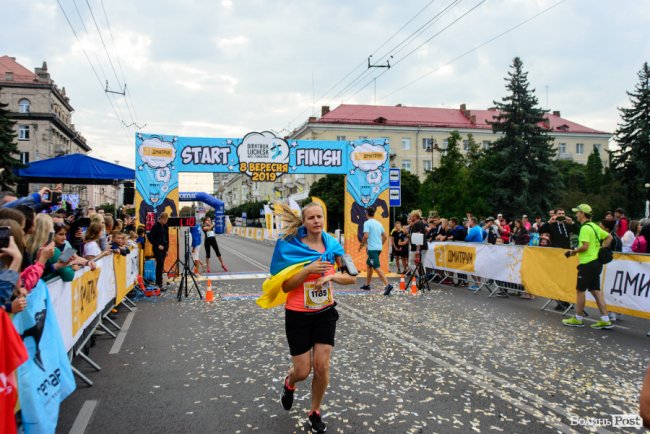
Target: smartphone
point(67, 254)
point(46, 196)
point(50, 237)
point(5, 233)
point(56, 196)
point(348, 265)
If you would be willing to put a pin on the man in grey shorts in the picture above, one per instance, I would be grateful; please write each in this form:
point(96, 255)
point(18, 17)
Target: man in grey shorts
point(374, 237)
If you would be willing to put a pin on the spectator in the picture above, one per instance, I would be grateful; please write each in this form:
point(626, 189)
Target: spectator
point(129, 223)
point(61, 243)
point(616, 244)
point(13, 214)
point(417, 227)
point(609, 216)
point(10, 261)
point(43, 227)
point(457, 232)
point(475, 233)
point(525, 223)
point(31, 272)
point(444, 231)
point(141, 231)
point(118, 243)
point(92, 250)
point(538, 222)
point(159, 238)
point(520, 236)
point(641, 244)
point(395, 236)
point(504, 229)
point(621, 222)
point(403, 248)
point(629, 236)
point(559, 228)
point(433, 229)
point(492, 230)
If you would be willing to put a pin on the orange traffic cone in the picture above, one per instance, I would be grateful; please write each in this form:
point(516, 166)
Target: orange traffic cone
point(402, 284)
point(209, 295)
point(141, 282)
point(414, 287)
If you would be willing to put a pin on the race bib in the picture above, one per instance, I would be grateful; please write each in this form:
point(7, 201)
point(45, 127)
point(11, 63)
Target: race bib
point(210, 234)
point(318, 298)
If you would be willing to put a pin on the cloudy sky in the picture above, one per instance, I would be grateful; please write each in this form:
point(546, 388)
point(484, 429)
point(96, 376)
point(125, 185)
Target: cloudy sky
point(224, 68)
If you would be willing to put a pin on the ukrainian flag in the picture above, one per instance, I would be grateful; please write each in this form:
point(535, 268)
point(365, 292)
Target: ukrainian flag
point(289, 257)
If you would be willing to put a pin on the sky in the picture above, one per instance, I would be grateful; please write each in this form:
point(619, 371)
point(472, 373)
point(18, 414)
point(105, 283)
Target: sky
point(223, 68)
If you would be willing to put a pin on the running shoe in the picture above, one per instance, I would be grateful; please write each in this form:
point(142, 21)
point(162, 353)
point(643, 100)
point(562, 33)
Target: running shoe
point(602, 325)
point(365, 287)
point(388, 289)
point(574, 322)
point(317, 424)
point(287, 396)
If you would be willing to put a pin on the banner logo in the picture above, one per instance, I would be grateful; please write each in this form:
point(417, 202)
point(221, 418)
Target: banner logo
point(263, 156)
point(461, 257)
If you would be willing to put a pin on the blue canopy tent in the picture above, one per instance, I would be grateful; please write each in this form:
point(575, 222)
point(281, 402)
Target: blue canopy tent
point(75, 169)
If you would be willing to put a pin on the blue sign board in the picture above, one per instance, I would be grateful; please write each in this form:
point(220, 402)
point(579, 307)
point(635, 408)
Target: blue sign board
point(394, 178)
point(395, 196)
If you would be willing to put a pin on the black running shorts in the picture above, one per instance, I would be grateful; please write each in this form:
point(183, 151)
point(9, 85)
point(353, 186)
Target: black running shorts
point(589, 276)
point(304, 329)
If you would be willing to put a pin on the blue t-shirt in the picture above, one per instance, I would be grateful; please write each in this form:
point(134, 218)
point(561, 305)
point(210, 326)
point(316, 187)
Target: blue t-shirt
point(374, 229)
point(475, 235)
point(195, 232)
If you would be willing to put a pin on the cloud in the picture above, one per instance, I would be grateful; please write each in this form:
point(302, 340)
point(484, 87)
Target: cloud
point(229, 44)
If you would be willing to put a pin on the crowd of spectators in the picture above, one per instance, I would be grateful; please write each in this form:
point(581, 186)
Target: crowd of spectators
point(41, 239)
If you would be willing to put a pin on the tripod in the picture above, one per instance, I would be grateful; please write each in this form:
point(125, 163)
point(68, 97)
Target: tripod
point(187, 271)
point(420, 276)
point(177, 262)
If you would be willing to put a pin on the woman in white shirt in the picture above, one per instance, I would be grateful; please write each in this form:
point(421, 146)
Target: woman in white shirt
point(92, 250)
point(629, 236)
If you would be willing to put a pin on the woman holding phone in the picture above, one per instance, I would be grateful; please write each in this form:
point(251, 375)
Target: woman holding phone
point(43, 236)
point(211, 243)
point(303, 267)
point(61, 242)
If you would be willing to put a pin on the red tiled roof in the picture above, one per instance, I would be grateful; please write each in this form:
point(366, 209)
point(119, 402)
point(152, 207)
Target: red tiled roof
point(20, 73)
point(433, 117)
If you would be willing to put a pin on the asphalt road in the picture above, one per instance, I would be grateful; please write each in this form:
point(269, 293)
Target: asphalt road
point(445, 361)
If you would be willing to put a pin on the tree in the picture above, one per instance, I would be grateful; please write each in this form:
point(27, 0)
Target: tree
point(519, 171)
point(446, 186)
point(410, 193)
point(8, 149)
point(331, 190)
point(594, 173)
point(631, 161)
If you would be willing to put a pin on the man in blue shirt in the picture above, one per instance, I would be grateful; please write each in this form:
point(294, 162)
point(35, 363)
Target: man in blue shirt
point(374, 237)
point(475, 234)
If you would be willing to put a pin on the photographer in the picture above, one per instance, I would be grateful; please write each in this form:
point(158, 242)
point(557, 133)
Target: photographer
point(560, 228)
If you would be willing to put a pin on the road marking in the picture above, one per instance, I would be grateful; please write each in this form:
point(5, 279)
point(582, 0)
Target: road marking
point(249, 260)
point(480, 378)
point(83, 418)
point(117, 344)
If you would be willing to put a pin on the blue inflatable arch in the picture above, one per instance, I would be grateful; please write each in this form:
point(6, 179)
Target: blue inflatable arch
point(218, 205)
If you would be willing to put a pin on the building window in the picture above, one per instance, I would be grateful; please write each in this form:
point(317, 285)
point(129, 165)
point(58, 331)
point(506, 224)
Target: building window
point(23, 105)
point(561, 148)
point(466, 145)
point(427, 144)
point(340, 138)
point(598, 147)
point(427, 165)
point(580, 148)
point(406, 165)
point(24, 157)
point(363, 137)
point(486, 145)
point(406, 143)
point(23, 132)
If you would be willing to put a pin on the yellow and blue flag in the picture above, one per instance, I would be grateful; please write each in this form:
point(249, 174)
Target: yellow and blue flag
point(289, 257)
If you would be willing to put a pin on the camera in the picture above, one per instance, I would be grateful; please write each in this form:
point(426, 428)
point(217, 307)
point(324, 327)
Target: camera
point(560, 218)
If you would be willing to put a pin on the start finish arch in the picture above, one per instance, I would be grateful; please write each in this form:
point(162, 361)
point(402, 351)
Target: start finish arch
point(264, 157)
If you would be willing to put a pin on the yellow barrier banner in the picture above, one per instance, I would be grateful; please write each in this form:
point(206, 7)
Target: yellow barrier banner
point(461, 258)
point(546, 272)
point(84, 298)
point(119, 265)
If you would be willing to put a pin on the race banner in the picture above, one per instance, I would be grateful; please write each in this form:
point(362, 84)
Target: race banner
point(119, 266)
point(85, 295)
point(626, 285)
point(497, 262)
point(45, 379)
point(548, 273)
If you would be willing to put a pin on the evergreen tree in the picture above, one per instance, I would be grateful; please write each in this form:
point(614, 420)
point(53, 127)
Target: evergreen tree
point(446, 186)
point(594, 172)
point(519, 170)
point(474, 152)
point(8, 150)
point(631, 161)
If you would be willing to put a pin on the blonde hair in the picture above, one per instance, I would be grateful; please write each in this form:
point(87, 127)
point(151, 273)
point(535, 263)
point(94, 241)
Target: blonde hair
point(97, 218)
point(416, 213)
point(291, 222)
point(43, 225)
point(93, 232)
